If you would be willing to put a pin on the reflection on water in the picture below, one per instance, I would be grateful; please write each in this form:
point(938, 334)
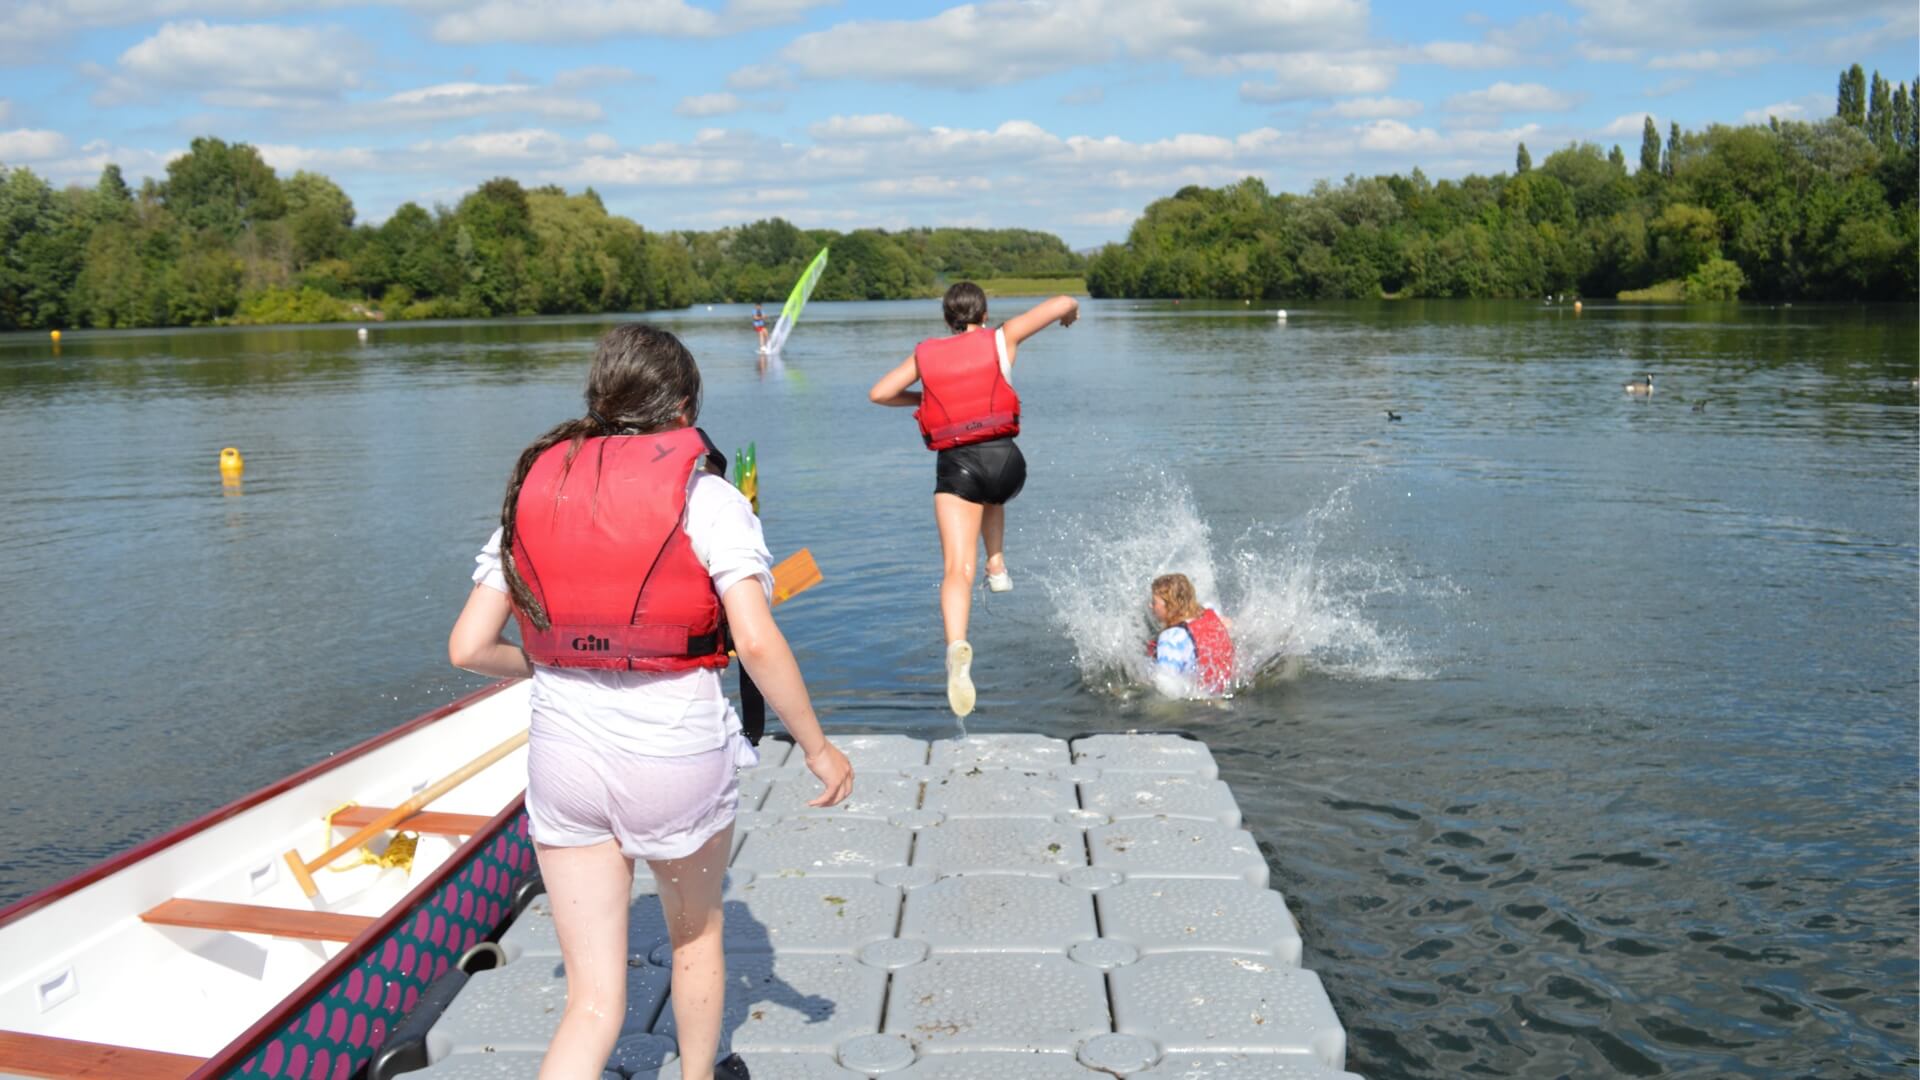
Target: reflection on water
point(1592, 745)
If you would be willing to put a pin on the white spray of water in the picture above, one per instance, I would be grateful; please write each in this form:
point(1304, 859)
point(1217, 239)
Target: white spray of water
point(1293, 606)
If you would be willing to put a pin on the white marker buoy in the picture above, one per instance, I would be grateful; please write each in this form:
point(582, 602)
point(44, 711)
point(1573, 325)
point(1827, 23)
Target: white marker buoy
point(1281, 315)
point(361, 333)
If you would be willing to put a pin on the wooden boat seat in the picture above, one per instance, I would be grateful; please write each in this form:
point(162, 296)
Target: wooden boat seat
point(44, 1055)
point(257, 919)
point(426, 821)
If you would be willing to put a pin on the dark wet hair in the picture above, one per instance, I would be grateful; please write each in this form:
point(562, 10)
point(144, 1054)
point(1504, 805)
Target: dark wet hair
point(964, 305)
point(641, 381)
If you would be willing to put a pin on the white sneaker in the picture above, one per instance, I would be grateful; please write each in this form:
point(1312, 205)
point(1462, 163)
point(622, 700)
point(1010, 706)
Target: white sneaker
point(1000, 582)
point(960, 678)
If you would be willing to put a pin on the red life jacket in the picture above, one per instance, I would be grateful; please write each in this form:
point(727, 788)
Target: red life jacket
point(601, 545)
point(963, 397)
point(1212, 651)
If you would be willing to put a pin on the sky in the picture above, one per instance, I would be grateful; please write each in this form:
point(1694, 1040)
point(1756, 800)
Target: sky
point(1063, 115)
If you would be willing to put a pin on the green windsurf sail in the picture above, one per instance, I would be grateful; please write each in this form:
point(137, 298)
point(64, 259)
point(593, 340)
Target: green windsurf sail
point(796, 300)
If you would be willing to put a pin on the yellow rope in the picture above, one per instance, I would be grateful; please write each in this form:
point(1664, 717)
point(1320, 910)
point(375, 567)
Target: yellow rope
point(399, 849)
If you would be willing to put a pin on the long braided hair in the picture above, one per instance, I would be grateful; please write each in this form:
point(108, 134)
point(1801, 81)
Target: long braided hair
point(642, 381)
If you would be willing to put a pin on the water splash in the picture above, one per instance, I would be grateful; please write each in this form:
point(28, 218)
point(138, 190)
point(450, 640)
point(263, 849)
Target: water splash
point(1294, 606)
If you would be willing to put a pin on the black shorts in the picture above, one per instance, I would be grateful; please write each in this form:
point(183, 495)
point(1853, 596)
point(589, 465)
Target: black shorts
point(990, 472)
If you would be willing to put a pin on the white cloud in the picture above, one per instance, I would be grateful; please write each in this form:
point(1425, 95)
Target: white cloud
point(28, 144)
point(873, 126)
point(929, 187)
point(1668, 86)
point(1901, 28)
point(763, 12)
point(1606, 54)
point(527, 147)
point(1394, 137)
point(761, 77)
point(1464, 54)
point(1802, 108)
point(1666, 23)
point(709, 105)
point(1320, 75)
point(290, 159)
point(1710, 60)
point(445, 102)
point(575, 21)
point(246, 65)
point(1630, 124)
point(995, 42)
point(1091, 94)
point(595, 76)
point(1506, 97)
point(1113, 218)
point(1369, 108)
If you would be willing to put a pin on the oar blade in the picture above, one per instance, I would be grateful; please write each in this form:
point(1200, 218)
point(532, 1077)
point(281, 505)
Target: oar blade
point(794, 575)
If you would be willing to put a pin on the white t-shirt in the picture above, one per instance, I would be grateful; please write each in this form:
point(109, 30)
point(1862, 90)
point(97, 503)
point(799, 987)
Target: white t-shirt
point(662, 714)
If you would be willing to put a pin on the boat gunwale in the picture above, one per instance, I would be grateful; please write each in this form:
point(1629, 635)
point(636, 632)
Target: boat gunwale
point(113, 864)
point(235, 1053)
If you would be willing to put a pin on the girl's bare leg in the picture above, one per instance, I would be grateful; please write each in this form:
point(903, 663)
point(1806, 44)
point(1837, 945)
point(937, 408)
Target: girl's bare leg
point(690, 896)
point(590, 888)
point(993, 530)
point(959, 539)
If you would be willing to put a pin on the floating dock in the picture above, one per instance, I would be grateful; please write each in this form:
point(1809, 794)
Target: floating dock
point(998, 907)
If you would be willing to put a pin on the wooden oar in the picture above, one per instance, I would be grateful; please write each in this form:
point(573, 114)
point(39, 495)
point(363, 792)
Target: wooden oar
point(303, 871)
point(794, 575)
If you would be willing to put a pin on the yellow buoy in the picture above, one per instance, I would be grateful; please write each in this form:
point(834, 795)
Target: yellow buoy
point(1576, 307)
point(231, 465)
point(56, 335)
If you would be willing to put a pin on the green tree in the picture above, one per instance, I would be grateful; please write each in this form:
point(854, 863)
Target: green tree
point(1649, 148)
point(223, 187)
point(1683, 238)
point(1617, 159)
point(1522, 161)
point(1851, 106)
point(204, 285)
point(41, 250)
point(1671, 161)
point(1880, 113)
point(1716, 279)
point(320, 216)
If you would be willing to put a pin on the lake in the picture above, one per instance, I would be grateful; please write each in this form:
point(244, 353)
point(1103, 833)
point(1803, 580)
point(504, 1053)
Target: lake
point(1584, 739)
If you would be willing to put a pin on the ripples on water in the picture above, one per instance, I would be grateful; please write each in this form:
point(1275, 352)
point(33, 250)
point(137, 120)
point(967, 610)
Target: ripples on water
point(1584, 741)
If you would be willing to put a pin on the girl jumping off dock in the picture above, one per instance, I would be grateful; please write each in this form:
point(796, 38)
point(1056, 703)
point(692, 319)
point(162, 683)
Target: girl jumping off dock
point(969, 414)
point(632, 566)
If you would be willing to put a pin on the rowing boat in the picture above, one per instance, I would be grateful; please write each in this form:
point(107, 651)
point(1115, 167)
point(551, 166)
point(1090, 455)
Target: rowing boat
point(197, 953)
point(286, 934)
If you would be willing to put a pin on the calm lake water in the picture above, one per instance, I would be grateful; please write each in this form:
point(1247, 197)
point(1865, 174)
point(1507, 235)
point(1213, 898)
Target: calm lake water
point(1585, 738)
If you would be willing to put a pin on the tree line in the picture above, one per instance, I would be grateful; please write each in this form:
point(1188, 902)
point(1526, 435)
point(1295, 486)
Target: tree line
point(1784, 210)
point(223, 238)
point(1821, 210)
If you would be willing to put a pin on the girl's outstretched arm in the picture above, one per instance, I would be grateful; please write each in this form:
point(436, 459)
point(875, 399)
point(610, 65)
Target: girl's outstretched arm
point(764, 653)
point(1063, 309)
point(476, 642)
point(892, 387)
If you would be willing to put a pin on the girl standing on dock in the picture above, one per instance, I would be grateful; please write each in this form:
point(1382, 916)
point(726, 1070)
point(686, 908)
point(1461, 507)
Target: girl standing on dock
point(632, 744)
point(969, 414)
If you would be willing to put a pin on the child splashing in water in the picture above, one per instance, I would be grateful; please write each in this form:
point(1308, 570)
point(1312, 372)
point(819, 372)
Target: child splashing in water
point(632, 745)
point(969, 414)
point(1193, 656)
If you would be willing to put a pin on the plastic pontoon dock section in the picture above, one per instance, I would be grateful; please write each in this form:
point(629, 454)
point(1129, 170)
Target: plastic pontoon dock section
point(999, 907)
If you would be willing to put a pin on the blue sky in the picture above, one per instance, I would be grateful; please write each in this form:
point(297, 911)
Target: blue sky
point(1064, 115)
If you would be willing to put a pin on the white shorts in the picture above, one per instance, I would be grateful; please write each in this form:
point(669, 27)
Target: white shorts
point(655, 807)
